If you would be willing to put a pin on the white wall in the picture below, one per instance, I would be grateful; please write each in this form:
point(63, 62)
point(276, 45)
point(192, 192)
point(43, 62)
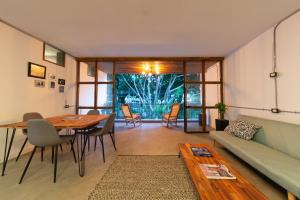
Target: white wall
point(246, 74)
point(18, 94)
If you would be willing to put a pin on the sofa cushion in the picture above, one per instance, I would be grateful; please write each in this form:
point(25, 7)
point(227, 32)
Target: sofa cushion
point(242, 129)
point(282, 136)
point(231, 127)
point(279, 167)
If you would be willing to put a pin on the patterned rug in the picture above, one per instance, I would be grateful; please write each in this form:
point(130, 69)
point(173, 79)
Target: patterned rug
point(145, 178)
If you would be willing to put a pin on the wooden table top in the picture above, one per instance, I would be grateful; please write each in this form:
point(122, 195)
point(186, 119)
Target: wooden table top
point(61, 121)
point(209, 189)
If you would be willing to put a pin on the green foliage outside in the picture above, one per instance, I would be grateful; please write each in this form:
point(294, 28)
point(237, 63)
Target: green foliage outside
point(151, 96)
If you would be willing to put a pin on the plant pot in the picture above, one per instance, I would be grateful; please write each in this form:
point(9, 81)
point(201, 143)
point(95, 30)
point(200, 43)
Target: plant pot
point(221, 124)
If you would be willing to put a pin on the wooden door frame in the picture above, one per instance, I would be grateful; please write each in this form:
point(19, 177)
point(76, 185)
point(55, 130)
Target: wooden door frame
point(184, 60)
point(95, 83)
point(203, 83)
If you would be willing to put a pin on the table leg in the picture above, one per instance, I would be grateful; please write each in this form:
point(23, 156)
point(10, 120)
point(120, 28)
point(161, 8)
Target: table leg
point(80, 154)
point(7, 151)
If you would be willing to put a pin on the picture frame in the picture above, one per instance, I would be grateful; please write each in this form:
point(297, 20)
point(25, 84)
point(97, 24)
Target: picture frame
point(52, 84)
point(53, 55)
point(61, 81)
point(61, 89)
point(36, 70)
point(39, 83)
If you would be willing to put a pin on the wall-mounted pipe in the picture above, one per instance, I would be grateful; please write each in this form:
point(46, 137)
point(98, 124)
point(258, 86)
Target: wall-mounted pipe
point(274, 70)
point(274, 73)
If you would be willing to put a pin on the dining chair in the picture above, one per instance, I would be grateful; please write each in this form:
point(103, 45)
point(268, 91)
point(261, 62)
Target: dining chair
point(106, 130)
point(129, 116)
point(86, 131)
point(172, 116)
point(41, 134)
point(26, 117)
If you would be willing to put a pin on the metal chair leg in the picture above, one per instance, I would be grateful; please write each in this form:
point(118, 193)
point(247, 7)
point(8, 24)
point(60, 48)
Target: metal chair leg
point(95, 146)
point(42, 154)
point(88, 143)
point(55, 162)
point(61, 148)
point(102, 144)
point(52, 155)
point(113, 140)
point(27, 165)
point(21, 150)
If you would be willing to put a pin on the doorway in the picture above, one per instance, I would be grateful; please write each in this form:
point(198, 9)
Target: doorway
point(197, 84)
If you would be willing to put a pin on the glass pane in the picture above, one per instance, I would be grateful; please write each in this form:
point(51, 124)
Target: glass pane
point(194, 94)
point(193, 71)
point(105, 111)
point(87, 71)
point(194, 119)
point(212, 71)
point(83, 111)
point(86, 94)
point(105, 95)
point(105, 71)
point(54, 55)
point(211, 116)
point(212, 94)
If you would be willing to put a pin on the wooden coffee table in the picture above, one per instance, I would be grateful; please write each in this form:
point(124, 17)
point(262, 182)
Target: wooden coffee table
point(208, 189)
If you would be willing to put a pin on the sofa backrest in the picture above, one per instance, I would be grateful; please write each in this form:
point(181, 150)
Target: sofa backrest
point(282, 136)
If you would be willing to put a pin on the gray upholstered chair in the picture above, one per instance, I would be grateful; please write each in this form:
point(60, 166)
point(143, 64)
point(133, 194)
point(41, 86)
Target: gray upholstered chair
point(107, 129)
point(41, 133)
point(26, 117)
point(93, 112)
point(87, 130)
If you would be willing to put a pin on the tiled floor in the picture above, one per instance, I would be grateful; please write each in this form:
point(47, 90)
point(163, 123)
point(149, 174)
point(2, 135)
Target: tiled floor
point(148, 139)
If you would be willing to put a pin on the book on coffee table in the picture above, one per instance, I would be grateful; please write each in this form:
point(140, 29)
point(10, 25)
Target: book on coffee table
point(212, 171)
point(201, 151)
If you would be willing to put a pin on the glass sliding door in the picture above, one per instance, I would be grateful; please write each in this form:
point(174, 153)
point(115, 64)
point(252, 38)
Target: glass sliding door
point(203, 89)
point(95, 87)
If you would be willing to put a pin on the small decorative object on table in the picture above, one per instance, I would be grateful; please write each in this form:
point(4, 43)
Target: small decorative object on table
point(221, 123)
point(201, 151)
point(216, 171)
point(72, 118)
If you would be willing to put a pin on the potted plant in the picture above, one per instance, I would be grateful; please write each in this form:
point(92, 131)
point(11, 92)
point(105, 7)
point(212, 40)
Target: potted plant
point(221, 123)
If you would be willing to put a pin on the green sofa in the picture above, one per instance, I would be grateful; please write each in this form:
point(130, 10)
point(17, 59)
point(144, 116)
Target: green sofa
point(274, 151)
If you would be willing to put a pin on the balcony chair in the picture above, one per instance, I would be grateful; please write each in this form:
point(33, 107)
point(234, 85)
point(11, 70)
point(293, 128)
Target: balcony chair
point(41, 133)
point(129, 117)
point(107, 129)
point(172, 116)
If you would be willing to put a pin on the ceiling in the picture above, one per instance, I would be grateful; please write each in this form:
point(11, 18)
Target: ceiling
point(146, 27)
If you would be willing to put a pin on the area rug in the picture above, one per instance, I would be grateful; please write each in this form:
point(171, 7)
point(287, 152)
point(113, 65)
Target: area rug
point(145, 178)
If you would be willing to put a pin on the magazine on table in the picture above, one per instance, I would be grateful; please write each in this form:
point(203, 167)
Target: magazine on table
point(201, 151)
point(212, 171)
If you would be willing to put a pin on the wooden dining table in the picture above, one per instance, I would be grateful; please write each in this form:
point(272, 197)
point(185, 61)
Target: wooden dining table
point(59, 122)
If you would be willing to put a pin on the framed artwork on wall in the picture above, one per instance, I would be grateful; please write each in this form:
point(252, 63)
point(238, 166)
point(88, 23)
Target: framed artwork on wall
point(36, 70)
point(54, 55)
point(39, 83)
point(61, 81)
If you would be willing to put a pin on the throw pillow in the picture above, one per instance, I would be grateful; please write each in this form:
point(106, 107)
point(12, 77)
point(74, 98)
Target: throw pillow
point(242, 129)
point(230, 129)
point(245, 130)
